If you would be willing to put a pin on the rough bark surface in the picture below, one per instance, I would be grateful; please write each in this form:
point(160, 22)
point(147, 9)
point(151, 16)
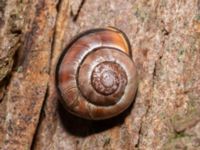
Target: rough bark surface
point(165, 40)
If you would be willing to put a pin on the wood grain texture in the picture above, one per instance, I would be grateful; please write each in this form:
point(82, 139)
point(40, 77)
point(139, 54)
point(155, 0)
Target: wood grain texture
point(26, 89)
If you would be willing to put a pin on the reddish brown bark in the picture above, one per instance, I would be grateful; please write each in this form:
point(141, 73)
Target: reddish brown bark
point(164, 36)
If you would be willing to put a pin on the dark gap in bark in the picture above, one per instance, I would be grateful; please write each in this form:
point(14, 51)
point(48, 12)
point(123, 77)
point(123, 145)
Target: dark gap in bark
point(41, 117)
point(139, 133)
point(75, 16)
point(7, 79)
point(58, 5)
point(3, 84)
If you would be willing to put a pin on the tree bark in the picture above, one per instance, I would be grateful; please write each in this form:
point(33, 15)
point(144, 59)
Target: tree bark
point(165, 41)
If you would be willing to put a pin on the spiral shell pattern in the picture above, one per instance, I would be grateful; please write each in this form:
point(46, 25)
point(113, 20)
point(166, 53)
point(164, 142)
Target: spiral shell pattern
point(96, 77)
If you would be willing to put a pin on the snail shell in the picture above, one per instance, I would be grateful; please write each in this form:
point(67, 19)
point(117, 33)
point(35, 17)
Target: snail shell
point(95, 75)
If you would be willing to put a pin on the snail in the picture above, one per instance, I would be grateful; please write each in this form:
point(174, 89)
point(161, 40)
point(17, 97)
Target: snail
point(95, 76)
